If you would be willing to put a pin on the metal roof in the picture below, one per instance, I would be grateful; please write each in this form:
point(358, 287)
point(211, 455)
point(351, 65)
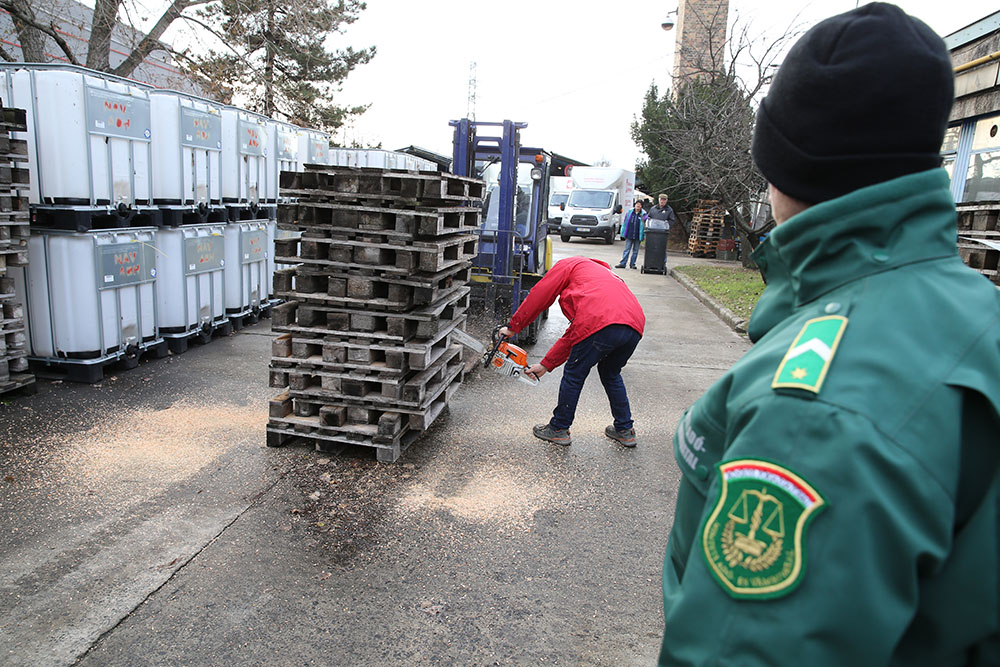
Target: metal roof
point(974, 31)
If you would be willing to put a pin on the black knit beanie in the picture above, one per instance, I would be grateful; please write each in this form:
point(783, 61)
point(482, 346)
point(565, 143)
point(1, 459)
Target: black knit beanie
point(861, 98)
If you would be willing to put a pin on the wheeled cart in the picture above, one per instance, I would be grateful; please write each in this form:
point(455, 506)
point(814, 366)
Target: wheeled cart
point(655, 258)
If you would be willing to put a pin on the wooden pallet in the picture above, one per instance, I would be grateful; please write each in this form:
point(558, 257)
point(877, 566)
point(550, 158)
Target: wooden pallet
point(409, 390)
point(291, 352)
point(367, 289)
point(388, 431)
point(390, 292)
point(19, 382)
point(390, 258)
point(13, 177)
point(13, 120)
point(421, 324)
point(13, 150)
point(348, 359)
point(353, 183)
point(979, 217)
point(332, 217)
point(14, 233)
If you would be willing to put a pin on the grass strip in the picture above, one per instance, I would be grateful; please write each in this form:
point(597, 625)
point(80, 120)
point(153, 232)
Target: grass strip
point(736, 288)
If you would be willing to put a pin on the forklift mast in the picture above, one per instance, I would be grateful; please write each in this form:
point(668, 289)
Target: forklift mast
point(513, 255)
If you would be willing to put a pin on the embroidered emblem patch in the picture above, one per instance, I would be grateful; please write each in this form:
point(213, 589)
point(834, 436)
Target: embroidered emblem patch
point(808, 359)
point(753, 540)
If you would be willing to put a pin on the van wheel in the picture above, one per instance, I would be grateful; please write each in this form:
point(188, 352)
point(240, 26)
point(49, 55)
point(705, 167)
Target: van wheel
point(609, 238)
point(564, 238)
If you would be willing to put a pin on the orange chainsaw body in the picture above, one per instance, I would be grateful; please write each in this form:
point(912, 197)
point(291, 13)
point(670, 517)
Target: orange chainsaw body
point(512, 361)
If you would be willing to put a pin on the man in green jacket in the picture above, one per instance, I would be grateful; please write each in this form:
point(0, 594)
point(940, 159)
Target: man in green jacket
point(840, 493)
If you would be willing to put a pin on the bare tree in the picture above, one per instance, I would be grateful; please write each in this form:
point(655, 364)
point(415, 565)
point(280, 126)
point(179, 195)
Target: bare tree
point(33, 30)
point(696, 137)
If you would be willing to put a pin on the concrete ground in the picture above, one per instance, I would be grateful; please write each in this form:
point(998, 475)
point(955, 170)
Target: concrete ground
point(142, 521)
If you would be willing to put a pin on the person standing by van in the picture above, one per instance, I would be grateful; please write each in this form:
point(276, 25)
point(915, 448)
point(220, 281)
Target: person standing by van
point(633, 231)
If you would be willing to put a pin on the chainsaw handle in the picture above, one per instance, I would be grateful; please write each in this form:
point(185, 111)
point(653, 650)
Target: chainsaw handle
point(497, 339)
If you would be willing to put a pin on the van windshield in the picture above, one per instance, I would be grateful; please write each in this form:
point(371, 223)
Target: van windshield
point(558, 198)
point(590, 198)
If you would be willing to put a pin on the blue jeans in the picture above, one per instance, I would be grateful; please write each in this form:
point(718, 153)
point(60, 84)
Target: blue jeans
point(609, 349)
point(633, 246)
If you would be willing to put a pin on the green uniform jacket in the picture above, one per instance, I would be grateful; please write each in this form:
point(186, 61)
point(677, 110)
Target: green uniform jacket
point(840, 500)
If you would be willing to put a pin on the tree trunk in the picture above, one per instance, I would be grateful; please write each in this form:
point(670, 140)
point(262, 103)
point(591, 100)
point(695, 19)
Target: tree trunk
point(32, 40)
point(101, 27)
point(269, 56)
point(746, 247)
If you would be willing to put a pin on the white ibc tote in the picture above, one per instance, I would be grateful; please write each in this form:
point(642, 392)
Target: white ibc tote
point(314, 148)
point(190, 266)
point(91, 296)
point(88, 135)
point(187, 150)
point(342, 157)
point(246, 267)
point(245, 161)
point(283, 144)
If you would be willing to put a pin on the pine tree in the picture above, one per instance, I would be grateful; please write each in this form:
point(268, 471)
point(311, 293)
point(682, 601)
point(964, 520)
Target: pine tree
point(274, 58)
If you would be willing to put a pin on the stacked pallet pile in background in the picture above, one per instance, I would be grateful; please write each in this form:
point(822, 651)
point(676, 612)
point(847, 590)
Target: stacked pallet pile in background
point(979, 237)
point(14, 223)
point(377, 284)
point(707, 226)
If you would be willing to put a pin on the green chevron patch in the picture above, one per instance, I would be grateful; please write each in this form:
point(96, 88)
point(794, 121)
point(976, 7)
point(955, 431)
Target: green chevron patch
point(808, 359)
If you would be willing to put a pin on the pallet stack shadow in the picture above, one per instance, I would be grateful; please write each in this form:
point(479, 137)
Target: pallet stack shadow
point(978, 228)
point(13, 251)
point(377, 284)
point(707, 225)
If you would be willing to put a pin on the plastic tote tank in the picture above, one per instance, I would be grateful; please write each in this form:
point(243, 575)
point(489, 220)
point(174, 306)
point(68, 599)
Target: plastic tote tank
point(272, 234)
point(190, 267)
point(88, 135)
point(246, 266)
point(283, 144)
point(244, 157)
point(91, 296)
point(187, 151)
point(314, 148)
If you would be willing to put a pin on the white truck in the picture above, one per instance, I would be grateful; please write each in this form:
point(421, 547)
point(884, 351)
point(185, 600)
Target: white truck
point(595, 204)
point(559, 189)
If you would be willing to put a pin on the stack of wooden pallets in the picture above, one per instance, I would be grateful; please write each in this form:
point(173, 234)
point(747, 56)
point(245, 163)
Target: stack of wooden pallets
point(374, 285)
point(979, 236)
point(14, 221)
point(707, 226)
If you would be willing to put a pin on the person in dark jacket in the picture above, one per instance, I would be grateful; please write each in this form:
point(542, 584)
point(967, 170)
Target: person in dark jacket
point(840, 493)
point(633, 231)
point(663, 213)
point(606, 323)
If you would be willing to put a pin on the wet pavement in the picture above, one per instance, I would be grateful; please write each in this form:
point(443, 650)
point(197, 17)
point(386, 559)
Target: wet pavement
point(144, 522)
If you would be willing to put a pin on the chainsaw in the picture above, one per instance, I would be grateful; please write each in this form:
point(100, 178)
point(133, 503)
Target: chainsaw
point(506, 358)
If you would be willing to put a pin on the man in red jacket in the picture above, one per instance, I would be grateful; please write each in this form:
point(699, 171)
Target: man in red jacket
point(606, 323)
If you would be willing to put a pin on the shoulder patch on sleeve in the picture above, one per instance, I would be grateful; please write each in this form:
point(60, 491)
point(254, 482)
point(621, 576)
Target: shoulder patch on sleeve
point(808, 359)
point(754, 539)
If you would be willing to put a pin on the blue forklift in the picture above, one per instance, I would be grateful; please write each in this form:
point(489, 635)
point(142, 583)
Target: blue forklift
point(514, 249)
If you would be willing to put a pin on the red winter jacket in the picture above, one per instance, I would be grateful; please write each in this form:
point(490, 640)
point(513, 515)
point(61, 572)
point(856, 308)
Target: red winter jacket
point(591, 297)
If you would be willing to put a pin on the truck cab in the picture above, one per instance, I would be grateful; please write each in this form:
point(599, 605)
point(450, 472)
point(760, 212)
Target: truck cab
point(557, 201)
point(594, 207)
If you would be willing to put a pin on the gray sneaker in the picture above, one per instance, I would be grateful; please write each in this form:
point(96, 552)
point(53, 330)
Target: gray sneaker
point(559, 436)
point(623, 438)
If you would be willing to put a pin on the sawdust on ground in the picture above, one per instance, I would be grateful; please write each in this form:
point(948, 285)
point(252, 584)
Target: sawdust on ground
point(498, 497)
point(154, 448)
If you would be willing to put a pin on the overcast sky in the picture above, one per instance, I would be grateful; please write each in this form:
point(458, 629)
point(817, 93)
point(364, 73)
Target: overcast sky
point(574, 70)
